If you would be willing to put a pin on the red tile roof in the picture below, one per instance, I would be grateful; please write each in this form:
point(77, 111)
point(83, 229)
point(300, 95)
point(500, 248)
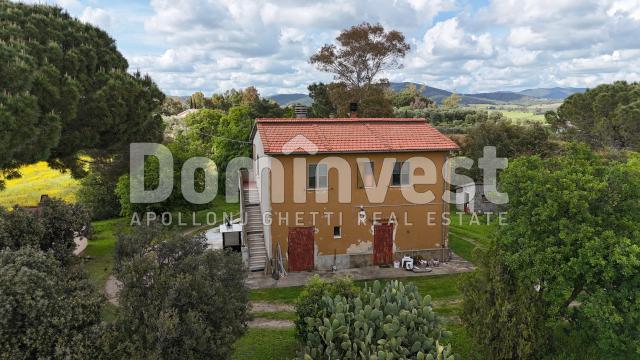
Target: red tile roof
point(338, 135)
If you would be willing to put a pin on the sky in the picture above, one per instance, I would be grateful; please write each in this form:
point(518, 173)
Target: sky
point(466, 46)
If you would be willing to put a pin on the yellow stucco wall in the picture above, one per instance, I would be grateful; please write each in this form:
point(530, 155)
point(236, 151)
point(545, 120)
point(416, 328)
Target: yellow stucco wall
point(416, 226)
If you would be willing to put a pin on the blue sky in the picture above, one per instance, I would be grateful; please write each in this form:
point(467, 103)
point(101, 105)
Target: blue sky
point(467, 46)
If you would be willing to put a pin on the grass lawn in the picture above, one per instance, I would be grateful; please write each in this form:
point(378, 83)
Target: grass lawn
point(276, 315)
point(101, 245)
point(439, 287)
point(100, 250)
point(281, 344)
point(266, 344)
point(38, 179)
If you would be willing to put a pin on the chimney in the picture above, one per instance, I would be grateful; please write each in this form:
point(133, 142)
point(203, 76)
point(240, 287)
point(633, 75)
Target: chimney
point(353, 110)
point(300, 111)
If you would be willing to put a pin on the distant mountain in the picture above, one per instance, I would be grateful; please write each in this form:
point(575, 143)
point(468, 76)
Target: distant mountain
point(438, 95)
point(288, 99)
point(555, 93)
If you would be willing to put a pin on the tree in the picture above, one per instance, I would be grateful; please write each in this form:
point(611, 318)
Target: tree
point(51, 227)
point(411, 96)
point(604, 116)
point(363, 52)
point(322, 106)
point(452, 101)
point(568, 258)
point(97, 193)
point(236, 126)
point(46, 311)
point(511, 140)
point(178, 299)
point(182, 149)
point(197, 100)
point(171, 106)
point(374, 101)
point(64, 87)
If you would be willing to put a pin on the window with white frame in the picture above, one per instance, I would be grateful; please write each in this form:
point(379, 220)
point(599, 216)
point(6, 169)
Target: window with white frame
point(317, 176)
point(401, 171)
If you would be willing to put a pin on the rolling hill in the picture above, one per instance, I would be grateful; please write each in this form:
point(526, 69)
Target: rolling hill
point(438, 95)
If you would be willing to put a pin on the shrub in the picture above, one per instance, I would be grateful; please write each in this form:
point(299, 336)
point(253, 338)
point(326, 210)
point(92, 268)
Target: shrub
point(178, 300)
point(309, 301)
point(52, 227)
point(383, 322)
point(46, 311)
point(97, 193)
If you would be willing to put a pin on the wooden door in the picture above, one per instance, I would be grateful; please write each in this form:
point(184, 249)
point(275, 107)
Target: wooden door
point(300, 249)
point(382, 244)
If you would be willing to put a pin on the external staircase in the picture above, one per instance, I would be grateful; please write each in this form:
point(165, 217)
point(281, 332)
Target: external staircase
point(252, 218)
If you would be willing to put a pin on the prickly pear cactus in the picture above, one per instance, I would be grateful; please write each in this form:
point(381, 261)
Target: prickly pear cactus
point(383, 323)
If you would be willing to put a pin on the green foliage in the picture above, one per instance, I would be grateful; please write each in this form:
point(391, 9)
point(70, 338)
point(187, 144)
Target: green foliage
point(172, 106)
point(51, 227)
point(236, 127)
point(453, 101)
point(309, 302)
point(46, 311)
point(606, 115)
point(503, 315)
point(178, 300)
point(322, 106)
point(572, 230)
point(511, 140)
point(182, 149)
point(383, 322)
point(197, 101)
point(64, 87)
point(372, 99)
point(450, 121)
point(97, 193)
point(411, 97)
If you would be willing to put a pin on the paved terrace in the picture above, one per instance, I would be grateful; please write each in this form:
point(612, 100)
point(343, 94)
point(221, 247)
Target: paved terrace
point(258, 280)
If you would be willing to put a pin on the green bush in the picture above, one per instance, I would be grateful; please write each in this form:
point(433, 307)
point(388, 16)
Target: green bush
point(51, 227)
point(309, 301)
point(383, 322)
point(179, 300)
point(46, 311)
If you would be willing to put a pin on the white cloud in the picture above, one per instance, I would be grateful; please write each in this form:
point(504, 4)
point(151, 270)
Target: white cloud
point(96, 16)
point(213, 45)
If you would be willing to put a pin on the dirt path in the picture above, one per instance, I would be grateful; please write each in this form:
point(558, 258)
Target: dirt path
point(111, 289)
point(270, 323)
point(270, 307)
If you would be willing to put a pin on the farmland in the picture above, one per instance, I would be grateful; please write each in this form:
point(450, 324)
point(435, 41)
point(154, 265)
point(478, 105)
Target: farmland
point(38, 179)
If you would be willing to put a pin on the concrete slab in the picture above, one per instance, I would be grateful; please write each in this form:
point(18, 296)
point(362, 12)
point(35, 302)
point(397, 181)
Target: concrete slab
point(257, 280)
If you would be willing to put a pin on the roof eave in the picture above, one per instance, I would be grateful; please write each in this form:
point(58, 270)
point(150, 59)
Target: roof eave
point(364, 151)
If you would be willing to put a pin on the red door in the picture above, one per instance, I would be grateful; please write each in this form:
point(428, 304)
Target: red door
point(382, 244)
point(300, 249)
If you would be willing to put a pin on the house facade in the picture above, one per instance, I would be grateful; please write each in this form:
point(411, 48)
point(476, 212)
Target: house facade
point(346, 192)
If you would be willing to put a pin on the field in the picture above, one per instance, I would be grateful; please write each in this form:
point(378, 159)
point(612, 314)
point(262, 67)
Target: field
point(38, 179)
point(520, 113)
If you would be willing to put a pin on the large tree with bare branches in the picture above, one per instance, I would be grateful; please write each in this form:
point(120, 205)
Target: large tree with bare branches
point(361, 53)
